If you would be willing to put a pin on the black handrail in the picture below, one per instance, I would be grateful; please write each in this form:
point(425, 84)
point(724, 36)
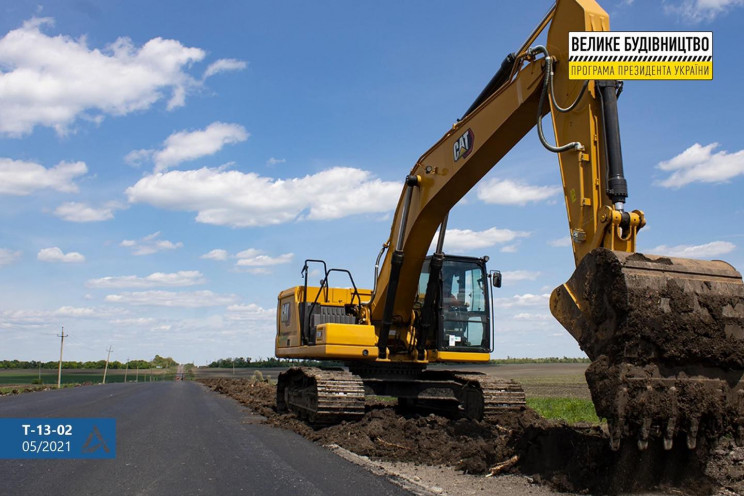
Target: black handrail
point(303, 315)
point(306, 312)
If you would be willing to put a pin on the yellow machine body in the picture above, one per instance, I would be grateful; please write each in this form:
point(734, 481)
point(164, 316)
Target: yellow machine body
point(336, 337)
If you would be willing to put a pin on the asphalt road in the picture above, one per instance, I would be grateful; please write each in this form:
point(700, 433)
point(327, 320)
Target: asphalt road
point(178, 438)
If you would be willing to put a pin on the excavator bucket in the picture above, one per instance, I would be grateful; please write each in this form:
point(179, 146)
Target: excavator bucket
point(666, 340)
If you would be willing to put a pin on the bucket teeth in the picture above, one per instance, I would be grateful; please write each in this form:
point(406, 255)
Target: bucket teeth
point(691, 441)
point(643, 434)
point(692, 433)
point(669, 433)
point(672, 421)
point(615, 428)
point(668, 443)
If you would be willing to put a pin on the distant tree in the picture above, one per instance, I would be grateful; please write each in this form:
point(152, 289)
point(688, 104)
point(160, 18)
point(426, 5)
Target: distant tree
point(163, 362)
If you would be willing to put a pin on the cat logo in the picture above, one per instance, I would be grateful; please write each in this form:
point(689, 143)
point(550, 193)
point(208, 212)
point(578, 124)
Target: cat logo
point(463, 146)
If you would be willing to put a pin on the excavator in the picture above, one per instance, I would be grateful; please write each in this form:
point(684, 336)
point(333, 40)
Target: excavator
point(665, 336)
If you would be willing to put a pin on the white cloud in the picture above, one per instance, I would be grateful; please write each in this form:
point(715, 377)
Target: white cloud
point(275, 161)
point(42, 318)
point(256, 258)
point(136, 158)
point(699, 164)
point(135, 321)
point(701, 10)
point(54, 254)
point(21, 178)
point(23, 319)
point(76, 312)
point(150, 244)
point(249, 312)
point(231, 197)
point(253, 260)
point(560, 242)
point(519, 275)
point(525, 300)
point(187, 299)
point(465, 240)
point(184, 145)
point(55, 80)
point(85, 312)
point(707, 250)
point(224, 65)
point(156, 279)
point(82, 212)
point(7, 257)
point(216, 254)
point(507, 192)
point(532, 316)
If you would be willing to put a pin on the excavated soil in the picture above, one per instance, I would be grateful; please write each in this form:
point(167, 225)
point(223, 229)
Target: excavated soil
point(636, 316)
point(570, 458)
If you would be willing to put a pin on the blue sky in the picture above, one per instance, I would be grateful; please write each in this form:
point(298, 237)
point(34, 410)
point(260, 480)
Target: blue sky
point(166, 167)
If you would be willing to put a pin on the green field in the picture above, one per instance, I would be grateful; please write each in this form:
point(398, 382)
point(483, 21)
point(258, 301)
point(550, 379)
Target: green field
point(79, 376)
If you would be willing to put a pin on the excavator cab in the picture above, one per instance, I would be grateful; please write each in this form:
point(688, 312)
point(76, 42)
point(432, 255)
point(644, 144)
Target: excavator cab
point(462, 309)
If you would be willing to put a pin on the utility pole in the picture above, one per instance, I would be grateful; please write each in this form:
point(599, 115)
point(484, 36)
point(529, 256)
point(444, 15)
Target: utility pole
point(105, 369)
point(126, 370)
point(61, 347)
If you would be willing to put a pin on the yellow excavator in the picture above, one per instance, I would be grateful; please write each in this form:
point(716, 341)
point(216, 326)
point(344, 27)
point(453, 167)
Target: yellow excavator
point(665, 335)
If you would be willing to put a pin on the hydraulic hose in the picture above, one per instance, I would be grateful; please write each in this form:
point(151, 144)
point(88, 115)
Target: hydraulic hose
point(547, 90)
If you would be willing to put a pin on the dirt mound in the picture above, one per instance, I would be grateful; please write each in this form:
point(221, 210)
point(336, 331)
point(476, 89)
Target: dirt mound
point(578, 458)
point(568, 458)
point(383, 433)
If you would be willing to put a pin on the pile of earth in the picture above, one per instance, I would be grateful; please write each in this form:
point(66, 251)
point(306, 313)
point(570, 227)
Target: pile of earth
point(31, 389)
point(572, 458)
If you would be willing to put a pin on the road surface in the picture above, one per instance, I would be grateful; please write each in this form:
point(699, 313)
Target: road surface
point(178, 438)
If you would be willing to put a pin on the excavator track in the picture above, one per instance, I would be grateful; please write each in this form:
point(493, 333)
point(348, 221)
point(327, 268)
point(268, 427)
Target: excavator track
point(453, 393)
point(486, 398)
point(321, 396)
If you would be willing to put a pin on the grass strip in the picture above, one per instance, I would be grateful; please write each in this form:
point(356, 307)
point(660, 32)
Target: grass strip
point(572, 410)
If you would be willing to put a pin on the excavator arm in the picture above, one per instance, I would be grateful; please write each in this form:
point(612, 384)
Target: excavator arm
point(500, 117)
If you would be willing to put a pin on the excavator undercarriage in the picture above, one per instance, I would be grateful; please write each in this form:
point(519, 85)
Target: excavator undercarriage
point(329, 396)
